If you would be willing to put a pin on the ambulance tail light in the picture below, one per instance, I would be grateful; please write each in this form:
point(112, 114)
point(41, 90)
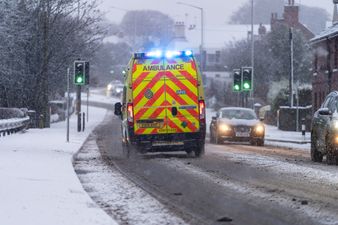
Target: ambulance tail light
point(130, 117)
point(202, 111)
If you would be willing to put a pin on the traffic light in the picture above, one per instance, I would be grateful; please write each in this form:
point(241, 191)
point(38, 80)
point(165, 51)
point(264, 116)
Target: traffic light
point(247, 78)
point(79, 73)
point(237, 85)
point(87, 73)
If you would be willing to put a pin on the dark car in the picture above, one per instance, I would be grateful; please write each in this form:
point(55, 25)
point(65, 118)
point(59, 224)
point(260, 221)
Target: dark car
point(236, 124)
point(324, 133)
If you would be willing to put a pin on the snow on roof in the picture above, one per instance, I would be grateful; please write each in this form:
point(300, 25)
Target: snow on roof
point(329, 32)
point(216, 37)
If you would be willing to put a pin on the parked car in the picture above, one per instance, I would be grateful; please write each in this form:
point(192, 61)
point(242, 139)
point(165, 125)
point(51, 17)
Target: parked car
point(236, 124)
point(324, 133)
point(110, 89)
point(118, 89)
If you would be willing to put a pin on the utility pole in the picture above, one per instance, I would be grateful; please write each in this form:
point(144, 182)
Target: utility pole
point(252, 52)
point(202, 33)
point(68, 98)
point(202, 41)
point(291, 66)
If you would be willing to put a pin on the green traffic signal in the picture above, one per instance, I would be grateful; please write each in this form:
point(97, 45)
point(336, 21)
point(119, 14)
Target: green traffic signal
point(79, 79)
point(246, 78)
point(237, 85)
point(246, 86)
point(79, 73)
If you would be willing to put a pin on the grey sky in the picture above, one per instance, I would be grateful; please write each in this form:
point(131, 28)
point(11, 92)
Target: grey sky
point(217, 11)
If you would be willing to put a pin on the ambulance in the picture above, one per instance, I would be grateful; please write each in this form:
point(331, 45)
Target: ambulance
point(163, 105)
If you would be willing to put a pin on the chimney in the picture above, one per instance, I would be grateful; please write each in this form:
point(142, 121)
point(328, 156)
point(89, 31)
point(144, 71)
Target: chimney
point(180, 30)
point(273, 21)
point(335, 15)
point(291, 13)
point(261, 30)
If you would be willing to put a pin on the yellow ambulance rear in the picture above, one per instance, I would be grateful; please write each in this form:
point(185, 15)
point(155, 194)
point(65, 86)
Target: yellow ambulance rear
point(163, 107)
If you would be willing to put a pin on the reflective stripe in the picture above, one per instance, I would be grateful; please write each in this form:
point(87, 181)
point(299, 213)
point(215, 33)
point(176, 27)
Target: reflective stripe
point(157, 91)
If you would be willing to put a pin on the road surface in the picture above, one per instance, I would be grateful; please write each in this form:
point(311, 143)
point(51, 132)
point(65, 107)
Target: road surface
point(231, 184)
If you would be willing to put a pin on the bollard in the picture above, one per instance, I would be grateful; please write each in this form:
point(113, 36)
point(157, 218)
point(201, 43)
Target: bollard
point(79, 122)
point(84, 121)
point(41, 121)
point(303, 128)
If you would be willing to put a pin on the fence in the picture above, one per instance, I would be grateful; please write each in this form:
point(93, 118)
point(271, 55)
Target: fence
point(12, 121)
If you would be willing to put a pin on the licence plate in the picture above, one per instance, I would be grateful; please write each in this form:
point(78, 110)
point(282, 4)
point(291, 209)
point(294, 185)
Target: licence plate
point(150, 125)
point(167, 143)
point(242, 134)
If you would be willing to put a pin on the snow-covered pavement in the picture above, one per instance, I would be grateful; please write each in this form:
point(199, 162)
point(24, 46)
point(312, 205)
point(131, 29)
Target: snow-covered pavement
point(38, 182)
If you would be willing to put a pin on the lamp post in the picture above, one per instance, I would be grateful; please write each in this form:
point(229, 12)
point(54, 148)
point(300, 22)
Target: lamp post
point(202, 31)
point(252, 52)
point(134, 17)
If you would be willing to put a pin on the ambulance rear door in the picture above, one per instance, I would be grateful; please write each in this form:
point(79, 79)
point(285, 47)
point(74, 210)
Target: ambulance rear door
point(181, 93)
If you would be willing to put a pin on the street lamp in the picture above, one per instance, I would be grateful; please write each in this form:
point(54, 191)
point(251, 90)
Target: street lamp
point(252, 52)
point(202, 30)
point(134, 17)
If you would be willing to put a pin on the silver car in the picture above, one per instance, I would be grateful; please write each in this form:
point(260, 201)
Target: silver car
point(236, 124)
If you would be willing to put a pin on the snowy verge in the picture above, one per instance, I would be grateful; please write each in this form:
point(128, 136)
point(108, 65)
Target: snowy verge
point(39, 185)
point(128, 203)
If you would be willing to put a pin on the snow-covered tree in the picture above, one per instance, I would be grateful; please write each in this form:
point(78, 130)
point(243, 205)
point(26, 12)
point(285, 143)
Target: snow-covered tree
point(38, 40)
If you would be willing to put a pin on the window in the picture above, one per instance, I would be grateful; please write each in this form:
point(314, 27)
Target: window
point(238, 114)
point(315, 62)
point(327, 102)
point(218, 56)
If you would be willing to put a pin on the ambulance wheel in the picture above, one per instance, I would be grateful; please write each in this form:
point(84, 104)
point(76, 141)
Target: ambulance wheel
point(199, 150)
point(189, 152)
point(141, 149)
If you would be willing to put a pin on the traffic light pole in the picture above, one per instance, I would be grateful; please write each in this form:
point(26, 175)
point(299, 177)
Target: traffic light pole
point(87, 103)
point(78, 107)
point(68, 105)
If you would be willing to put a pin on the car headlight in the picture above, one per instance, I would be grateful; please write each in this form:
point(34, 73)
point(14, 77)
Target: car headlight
point(224, 127)
point(335, 124)
point(109, 87)
point(259, 129)
point(336, 140)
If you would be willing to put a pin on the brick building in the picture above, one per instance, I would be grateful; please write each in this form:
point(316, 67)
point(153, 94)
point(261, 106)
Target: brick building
point(325, 62)
point(290, 19)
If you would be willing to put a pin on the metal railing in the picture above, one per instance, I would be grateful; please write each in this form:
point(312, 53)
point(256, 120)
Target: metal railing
point(13, 120)
point(14, 125)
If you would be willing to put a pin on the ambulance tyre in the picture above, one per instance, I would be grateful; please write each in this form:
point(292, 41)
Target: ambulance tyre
point(189, 152)
point(141, 149)
point(199, 150)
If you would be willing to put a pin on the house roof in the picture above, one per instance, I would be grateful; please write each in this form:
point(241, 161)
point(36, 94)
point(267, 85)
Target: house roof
point(327, 33)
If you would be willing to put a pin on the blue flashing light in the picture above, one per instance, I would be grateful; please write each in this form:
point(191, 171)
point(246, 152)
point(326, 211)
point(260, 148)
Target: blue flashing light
point(188, 53)
point(171, 54)
point(166, 54)
point(156, 54)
